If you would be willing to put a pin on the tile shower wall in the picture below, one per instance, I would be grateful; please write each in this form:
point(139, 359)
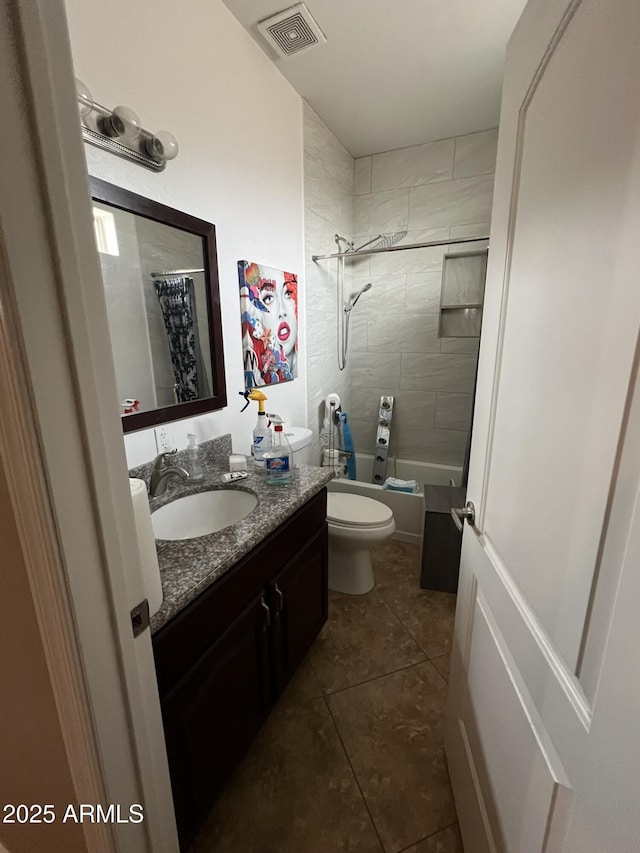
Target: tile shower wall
point(329, 200)
point(434, 191)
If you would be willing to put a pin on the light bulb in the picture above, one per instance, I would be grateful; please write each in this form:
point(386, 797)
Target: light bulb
point(122, 122)
point(163, 146)
point(84, 98)
point(129, 119)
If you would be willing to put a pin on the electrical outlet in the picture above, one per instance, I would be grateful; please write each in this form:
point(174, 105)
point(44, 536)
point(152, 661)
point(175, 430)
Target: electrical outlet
point(164, 439)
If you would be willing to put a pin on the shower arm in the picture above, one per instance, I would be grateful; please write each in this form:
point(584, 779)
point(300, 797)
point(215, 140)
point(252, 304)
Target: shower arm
point(369, 242)
point(362, 251)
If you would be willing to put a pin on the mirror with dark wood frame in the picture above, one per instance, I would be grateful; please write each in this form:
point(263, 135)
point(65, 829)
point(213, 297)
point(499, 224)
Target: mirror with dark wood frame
point(160, 273)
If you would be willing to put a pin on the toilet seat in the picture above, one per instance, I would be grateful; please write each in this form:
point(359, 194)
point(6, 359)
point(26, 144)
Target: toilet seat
point(355, 511)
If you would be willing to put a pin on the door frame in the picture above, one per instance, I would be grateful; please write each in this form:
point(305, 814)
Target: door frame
point(61, 440)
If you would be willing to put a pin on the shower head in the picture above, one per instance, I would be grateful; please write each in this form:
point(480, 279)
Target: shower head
point(383, 241)
point(386, 240)
point(356, 295)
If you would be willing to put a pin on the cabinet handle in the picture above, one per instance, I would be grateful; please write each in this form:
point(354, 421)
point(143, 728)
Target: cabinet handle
point(268, 612)
point(278, 591)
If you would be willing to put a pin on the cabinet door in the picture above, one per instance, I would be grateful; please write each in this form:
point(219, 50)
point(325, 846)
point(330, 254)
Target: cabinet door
point(298, 595)
point(213, 713)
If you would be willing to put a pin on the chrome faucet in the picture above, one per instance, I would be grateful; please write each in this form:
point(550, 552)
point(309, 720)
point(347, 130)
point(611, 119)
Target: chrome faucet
point(162, 473)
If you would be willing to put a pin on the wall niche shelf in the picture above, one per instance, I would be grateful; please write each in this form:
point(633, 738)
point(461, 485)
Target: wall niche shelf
point(462, 294)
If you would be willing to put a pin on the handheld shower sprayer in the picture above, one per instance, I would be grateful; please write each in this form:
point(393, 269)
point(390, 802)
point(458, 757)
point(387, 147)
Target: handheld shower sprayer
point(343, 343)
point(344, 308)
point(355, 296)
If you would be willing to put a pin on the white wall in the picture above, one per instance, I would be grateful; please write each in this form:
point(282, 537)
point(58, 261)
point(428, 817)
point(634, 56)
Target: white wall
point(328, 199)
point(198, 74)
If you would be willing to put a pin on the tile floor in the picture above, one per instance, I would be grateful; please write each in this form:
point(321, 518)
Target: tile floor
point(351, 758)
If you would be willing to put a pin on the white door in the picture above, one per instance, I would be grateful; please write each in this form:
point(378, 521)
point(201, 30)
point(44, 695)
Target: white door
point(543, 727)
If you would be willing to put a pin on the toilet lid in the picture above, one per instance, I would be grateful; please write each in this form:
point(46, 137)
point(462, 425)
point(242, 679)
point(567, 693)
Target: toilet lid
point(357, 511)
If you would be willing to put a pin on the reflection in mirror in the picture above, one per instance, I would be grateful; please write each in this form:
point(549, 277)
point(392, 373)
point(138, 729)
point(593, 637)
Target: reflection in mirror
point(160, 277)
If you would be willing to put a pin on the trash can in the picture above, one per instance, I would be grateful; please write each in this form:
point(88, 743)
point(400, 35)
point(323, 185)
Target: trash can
point(442, 541)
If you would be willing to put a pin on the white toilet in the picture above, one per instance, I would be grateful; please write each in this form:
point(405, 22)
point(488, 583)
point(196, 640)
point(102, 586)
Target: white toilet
point(300, 440)
point(356, 524)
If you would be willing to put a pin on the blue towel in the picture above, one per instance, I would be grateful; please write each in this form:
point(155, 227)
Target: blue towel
point(396, 485)
point(347, 443)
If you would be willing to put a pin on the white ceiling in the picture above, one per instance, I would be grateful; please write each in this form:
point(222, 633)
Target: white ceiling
point(395, 73)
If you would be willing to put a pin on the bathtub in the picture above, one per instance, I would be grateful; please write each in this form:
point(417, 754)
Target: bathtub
point(408, 509)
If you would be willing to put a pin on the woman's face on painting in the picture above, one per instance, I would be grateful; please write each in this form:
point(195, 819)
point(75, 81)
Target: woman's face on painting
point(279, 298)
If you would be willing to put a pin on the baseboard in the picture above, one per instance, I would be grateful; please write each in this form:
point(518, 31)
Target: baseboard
point(403, 536)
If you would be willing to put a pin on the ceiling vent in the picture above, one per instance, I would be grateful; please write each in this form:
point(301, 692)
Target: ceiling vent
point(292, 31)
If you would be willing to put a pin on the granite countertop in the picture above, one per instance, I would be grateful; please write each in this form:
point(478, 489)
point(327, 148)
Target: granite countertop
point(189, 566)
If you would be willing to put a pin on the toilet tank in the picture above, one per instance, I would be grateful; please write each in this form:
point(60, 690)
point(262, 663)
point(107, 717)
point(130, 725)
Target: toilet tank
point(300, 441)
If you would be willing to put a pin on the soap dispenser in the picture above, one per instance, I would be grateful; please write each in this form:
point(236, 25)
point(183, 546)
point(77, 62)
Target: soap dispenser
point(194, 466)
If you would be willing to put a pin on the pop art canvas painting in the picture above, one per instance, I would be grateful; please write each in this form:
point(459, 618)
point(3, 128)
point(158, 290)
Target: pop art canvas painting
point(269, 315)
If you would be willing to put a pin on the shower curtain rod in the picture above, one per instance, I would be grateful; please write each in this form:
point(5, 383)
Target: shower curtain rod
point(173, 272)
point(449, 242)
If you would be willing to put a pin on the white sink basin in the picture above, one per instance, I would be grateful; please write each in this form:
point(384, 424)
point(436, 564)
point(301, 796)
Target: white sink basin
point(201, 513)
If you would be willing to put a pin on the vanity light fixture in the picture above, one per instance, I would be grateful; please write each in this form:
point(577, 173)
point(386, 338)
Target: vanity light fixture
point(119, 131)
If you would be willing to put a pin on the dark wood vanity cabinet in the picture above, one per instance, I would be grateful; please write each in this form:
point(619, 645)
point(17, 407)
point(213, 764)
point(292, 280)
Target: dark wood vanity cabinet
point(213, 712)
point(299, 597)
point(224, 660)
